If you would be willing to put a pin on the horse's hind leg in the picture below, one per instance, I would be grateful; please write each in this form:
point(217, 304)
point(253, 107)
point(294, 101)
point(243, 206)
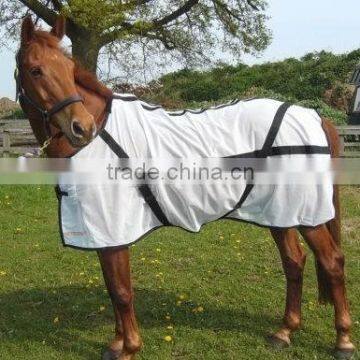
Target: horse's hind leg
point(293, 259)
point(116, 270)
point(330, 257)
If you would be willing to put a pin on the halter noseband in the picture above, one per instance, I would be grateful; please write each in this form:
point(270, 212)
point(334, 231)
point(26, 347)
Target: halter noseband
point(45, 114)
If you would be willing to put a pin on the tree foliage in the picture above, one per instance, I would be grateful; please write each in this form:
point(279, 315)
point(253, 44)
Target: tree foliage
point(195, 31)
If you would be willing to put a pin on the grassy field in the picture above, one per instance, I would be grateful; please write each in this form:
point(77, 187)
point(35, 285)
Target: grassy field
point(222, 290)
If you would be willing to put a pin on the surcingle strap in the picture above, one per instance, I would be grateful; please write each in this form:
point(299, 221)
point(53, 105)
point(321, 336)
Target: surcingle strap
point(274, 129)
point(144, 189)
point(267, 147)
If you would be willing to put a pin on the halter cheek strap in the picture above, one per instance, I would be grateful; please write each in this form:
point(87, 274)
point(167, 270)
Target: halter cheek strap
point(47, 114)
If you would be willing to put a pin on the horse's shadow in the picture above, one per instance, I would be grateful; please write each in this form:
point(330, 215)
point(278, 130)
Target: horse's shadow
point(58, 318)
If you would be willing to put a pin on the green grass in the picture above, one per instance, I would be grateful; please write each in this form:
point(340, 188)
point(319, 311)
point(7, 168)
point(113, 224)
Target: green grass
point(232, 270)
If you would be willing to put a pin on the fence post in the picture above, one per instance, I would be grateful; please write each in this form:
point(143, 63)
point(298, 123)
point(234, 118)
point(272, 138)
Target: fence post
point(6, 142)
point(342, 145)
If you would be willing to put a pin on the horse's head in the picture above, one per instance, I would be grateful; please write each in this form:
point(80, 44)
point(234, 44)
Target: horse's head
point(47, 82)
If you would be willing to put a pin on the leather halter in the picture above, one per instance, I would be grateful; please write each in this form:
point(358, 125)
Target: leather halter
point(46, 115)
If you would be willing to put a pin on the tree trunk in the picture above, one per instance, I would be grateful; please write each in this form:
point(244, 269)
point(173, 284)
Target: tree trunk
point(86, 48)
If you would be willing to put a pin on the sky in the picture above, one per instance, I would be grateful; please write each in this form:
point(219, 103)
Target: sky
point(298, 27)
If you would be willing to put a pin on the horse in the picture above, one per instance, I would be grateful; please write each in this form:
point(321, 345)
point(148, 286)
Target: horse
point(67, 107)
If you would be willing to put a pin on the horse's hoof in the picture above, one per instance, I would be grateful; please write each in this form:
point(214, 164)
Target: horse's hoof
point(111, 355)
point(344, 354)
point(277, 343)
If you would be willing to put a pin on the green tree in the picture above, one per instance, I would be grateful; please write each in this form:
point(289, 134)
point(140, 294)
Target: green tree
point(194, 31)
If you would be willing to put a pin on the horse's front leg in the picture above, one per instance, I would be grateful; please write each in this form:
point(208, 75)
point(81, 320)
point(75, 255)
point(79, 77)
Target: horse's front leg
point(293, 259)
point(116, 270)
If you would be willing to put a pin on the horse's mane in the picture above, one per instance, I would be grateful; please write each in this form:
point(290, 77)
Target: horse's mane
point(83, 77)
point(89, 81)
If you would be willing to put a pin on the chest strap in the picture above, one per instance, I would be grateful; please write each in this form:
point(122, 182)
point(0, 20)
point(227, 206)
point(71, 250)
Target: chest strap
point(144, 189)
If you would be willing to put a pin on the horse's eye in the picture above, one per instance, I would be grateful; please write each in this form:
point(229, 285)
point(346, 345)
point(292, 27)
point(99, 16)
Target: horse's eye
point(35, 72)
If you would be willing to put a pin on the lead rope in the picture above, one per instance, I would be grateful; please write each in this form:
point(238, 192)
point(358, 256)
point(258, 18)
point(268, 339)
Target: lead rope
point(45, 145)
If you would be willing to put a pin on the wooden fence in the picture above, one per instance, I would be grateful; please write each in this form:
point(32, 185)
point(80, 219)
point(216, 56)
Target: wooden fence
point(16, 138)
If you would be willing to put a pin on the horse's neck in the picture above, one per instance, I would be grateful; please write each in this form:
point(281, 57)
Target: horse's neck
point(59, 147)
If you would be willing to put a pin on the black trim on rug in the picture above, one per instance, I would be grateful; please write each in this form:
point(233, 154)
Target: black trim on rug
point(181, 228)
point(153, 107)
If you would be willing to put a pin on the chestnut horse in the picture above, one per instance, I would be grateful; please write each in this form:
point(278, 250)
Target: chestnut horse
point(66, 105)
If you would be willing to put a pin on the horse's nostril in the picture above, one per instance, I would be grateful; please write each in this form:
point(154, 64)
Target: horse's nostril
point(77, 130)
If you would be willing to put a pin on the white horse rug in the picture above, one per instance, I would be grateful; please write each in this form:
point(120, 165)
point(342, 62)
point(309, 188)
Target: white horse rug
point(94, 216)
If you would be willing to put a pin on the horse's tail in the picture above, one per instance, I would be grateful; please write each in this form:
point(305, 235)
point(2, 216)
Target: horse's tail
point(334, 225)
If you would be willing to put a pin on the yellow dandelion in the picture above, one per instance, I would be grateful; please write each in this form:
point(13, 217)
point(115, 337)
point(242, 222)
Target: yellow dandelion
point(102, 308)
point(158, 250)
point(56, 320)
point(168, 338)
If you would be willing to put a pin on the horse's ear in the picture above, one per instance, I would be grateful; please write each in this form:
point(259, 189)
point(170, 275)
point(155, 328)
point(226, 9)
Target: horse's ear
point(27, 30)
point(59, 27)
